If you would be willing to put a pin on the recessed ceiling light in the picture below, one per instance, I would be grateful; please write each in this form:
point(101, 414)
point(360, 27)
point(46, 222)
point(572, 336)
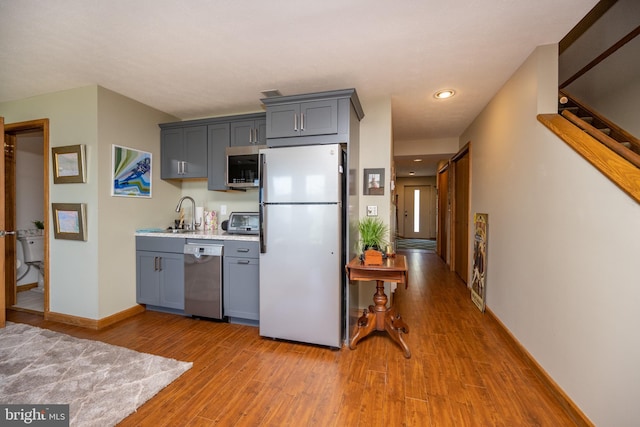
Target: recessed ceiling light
point(417, 160)
point(444, 94)
point(412, 173)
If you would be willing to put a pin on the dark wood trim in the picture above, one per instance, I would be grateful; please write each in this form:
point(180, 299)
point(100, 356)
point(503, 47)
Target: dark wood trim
point(563, 399)
point(585, 23)
point(620, 171)
point(604, 55)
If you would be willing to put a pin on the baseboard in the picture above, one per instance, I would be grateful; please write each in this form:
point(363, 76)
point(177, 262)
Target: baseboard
point(95, 324)
point(565, 401)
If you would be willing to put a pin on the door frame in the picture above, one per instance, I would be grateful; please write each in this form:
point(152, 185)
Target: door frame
point(443, 213)
point(13, 129)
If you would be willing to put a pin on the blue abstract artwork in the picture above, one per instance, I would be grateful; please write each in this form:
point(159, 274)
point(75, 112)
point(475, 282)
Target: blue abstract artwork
point(131, 172)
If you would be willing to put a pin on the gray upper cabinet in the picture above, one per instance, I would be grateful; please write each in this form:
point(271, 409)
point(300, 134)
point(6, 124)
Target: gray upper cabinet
point(218, 142)
point(316, 118)
point(248, 132)
point(303, 119)
point(184, 152)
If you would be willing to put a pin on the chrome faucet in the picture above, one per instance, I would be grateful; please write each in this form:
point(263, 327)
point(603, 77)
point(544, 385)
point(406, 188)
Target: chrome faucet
point(193, 224)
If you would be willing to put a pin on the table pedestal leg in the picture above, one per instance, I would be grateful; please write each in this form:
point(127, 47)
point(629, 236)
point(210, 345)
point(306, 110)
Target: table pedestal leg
point(380, 318)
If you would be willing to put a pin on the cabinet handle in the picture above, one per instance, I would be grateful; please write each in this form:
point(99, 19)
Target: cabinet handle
point(242, 250)
point(155, 263)
point(301, 121)
point(159, 263)
point(184, 167)
point(255, 135)
point(243, 261)
point(295, 122)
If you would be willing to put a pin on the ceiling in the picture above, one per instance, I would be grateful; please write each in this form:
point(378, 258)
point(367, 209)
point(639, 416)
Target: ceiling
point(202, 58)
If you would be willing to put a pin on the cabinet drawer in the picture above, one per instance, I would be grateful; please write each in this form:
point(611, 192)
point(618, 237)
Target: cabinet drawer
point(160, 244)
point(241, 249)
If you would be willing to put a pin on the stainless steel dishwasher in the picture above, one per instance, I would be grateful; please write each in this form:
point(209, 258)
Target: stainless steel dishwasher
point(203, 280)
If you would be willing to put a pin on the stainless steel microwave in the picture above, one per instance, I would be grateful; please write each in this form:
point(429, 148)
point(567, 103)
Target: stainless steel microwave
point(242, 166)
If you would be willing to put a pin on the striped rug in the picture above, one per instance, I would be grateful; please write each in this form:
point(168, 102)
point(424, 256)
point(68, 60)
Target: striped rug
point(423, 244)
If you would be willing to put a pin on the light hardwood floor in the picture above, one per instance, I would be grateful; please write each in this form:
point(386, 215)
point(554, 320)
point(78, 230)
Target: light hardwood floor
point(462, 372)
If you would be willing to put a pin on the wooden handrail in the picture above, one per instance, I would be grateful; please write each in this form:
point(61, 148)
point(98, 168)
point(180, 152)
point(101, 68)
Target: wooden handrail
point(620, 171)
point(614, 145)
point(615, 129)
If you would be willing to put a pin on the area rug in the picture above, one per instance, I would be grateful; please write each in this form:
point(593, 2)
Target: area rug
point(423, 244)
point(102, 383)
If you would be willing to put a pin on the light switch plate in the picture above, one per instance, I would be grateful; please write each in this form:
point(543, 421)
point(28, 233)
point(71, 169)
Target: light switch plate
point(372, 211)
point(223, 209)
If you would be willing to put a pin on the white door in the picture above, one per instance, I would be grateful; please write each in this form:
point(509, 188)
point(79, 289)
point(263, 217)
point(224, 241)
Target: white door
point(419, 212)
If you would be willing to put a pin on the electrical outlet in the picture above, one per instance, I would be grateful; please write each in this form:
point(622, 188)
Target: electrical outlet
point(223, 209)
point(372, 211)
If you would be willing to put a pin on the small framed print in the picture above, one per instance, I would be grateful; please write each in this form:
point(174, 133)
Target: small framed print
point(69, 221)
point(69, 164)
point(373, 182)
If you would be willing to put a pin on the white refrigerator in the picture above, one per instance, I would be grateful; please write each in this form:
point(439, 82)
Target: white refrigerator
point(301, 243)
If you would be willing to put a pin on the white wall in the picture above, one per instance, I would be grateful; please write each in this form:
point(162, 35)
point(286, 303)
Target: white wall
point(563, 245)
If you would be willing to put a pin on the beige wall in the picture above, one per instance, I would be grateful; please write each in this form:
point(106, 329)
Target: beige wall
point(125, 122)
point(562, 247)
point(96, 278)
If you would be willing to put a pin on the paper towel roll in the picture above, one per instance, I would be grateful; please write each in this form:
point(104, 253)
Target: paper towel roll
point(199, 217)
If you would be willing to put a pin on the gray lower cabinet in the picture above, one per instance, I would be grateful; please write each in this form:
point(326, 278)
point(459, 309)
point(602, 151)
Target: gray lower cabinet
point(241, 278)
point(160, 272)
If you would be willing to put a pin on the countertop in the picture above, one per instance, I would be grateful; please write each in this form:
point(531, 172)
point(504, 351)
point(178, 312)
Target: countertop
point(199, 234)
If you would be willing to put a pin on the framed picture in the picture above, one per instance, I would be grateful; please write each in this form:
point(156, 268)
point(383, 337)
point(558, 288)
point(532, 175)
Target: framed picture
point(131, 172)
point(69, 164)
point(69, 221)
point(479, 275)
point(373, 182)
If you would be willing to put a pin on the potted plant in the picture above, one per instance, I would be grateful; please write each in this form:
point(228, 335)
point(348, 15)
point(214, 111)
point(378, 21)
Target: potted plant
point(372, 239)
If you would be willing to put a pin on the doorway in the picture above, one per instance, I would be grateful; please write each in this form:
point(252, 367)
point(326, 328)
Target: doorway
point(26, 214)
point(419, 212)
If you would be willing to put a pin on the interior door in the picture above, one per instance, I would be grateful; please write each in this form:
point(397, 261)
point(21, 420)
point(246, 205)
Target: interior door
point(3, 316)
point(460, 214)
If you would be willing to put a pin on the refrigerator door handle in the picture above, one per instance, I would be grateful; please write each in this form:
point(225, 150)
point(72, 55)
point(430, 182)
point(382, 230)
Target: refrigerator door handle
point(261, 214)
point(263, 233)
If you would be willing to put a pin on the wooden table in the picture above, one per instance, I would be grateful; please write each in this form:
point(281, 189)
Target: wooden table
point(379, 317)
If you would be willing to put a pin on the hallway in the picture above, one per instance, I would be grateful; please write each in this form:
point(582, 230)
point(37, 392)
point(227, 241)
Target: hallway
point(462, 372)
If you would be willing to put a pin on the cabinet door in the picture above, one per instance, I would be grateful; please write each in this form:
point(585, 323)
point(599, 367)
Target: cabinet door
point(319, 117)
point(171, 152)
point(283, 120)
point(147, 278)
point(218, 142)
point(195, 152)
point(172, 280)
point(261, 129)
point(241, 288)
point(242, 133)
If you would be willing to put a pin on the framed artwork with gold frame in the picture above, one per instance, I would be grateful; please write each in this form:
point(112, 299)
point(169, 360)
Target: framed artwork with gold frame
point(69, 164)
